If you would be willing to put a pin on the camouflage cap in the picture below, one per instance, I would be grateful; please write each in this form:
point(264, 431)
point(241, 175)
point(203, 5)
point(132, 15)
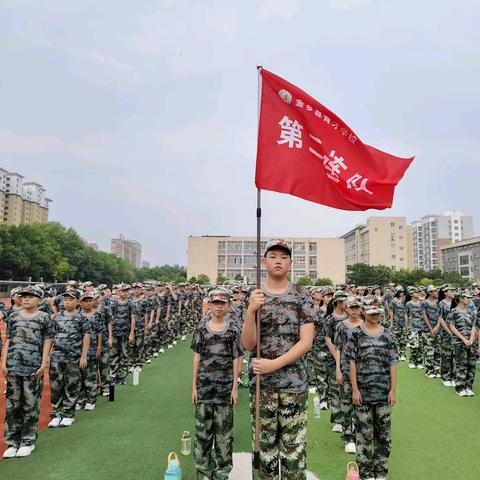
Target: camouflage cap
point(466, 293)
point(15, 291)
point(88, 283)
point(372, 310)
point(341, 295)
point(102, 286)
point(328, 291)
point(432, 288)
point(277, 243)
point(412, 290)
point(446, 287)
point(86, 295)
point(124, 286)
point(137, 285)
point(219, 295)
point(72, 283)
point(31, 290)
point(72, 293)
point(353, 302)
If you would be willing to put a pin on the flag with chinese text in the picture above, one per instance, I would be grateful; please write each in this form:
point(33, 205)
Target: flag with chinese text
point(307, 151)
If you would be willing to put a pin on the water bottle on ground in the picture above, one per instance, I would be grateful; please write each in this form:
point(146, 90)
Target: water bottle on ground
point(136, 376)
point(173, 471)
point(186, 443)
point(316, 406)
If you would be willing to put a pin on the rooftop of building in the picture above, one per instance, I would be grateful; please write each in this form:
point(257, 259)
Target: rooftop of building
point(463, 243)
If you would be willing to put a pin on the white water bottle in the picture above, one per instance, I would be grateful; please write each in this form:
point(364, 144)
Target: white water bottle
point(136, 376)
point(316, 406)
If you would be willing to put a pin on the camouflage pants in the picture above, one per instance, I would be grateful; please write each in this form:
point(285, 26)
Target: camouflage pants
point(213, 441)
point(119, 358)
point(22, 410)
point(447, 369)
point(373, 439)
point(348, 411)
point(334, 392)
point(415, 340)
point(320, 376)
point(88, 383)
point(136, 350)
point(431, 353)
point(311, 368)
point(64, 388)
point(400, 339)
point(283, 435)
point(104, 369)
point(465, 366)
point(149, 343)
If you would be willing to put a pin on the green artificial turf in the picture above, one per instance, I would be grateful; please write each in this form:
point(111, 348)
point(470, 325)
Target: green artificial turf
point(435, 433)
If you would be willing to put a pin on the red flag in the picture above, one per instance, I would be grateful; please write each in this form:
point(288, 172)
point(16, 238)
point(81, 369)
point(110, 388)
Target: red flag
point(307, 151)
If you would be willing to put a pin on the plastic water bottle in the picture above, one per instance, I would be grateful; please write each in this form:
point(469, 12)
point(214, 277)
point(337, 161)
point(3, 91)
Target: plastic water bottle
point(316, 407)
point(136, 376)
point(186, 443)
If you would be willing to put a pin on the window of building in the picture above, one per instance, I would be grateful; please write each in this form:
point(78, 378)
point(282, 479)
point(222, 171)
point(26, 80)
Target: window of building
point(312, 247)
point(312, 274)
point(312, 262)
point(393, 257)
point(231, 274)
point(392, 224)
point(400, 227)
point(298, 261)
point(392, 237)
point(393, 267)
point(250, 247)
point(233, 260)
point(250, 260)
point(464, 265)
point(221, 247)
point(221, 260)
point(299, 246)
point(234, 247)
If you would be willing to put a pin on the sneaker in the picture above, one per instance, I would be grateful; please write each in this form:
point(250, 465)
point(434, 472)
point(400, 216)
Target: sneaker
point(130, 369)
point(463, 393)
point(155, 354)
point(350, 448)
point(89, 406)
point(78, 407)
point(323, 406)
point(120, 382)
point(437, 375)
point(162, 350)
point(447, 383)
point(403, 358)
point(312, 390)
point(148, 361)
point(381, 478)
point(67, 422)
point(25, 451)
point(10, 452)
point(174, 342)
point(420, 367)
point(430, 375)
point(454, 383)
point(411, 365)
point(470, 392)
point(106, 393)
point(184, 337)
point(54, 422)
point(170, 346)
point(337, 428)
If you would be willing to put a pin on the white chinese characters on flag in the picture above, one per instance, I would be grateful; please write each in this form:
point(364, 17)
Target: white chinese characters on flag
point(306, 150)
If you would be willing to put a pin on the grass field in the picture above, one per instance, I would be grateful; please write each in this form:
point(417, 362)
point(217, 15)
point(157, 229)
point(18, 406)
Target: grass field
point(436, 434)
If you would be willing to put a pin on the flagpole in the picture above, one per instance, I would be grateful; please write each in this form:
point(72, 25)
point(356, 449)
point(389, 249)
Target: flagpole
point(256, 452)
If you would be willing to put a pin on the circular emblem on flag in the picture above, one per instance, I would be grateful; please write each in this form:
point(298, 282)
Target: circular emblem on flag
point(285, 95)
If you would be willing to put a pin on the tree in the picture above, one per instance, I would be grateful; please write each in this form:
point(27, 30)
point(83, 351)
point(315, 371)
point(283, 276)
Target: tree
point(203, 279)
point(362, 274)
point(221, 280)
point(323, 281)
point(303, 281)
point(239, 277)
point(192, 280)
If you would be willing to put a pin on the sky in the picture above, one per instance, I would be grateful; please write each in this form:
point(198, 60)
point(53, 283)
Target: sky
point(139, 118)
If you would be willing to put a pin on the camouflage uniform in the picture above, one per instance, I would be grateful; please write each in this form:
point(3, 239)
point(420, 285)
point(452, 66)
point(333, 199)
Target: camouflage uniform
point(447, 369)
point(121, 323)
point(64, 364)
point(331, 323)
point(283, 402)
point(398, 311)
point(88, 374)
point(214, 412)
point(414, 312)
point(431, 343)
point(465, 358)
point(136, 356)
point(104, 360)
point(373, 356)
point(343, 332)
point(319, 358)
point(26, 337)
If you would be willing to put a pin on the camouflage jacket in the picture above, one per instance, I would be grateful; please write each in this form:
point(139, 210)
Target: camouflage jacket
point(68, 340)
